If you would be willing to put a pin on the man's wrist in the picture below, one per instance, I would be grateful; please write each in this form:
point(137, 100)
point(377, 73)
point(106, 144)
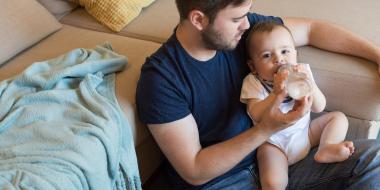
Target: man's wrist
point(262, 130)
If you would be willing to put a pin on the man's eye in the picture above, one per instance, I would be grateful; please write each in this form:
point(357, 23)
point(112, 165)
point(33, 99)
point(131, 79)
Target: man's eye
point(267, 55)
point(285, 51)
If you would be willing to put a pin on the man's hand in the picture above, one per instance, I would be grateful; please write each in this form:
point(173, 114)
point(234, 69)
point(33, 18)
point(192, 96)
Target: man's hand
point(274, 120)
point(299, 104)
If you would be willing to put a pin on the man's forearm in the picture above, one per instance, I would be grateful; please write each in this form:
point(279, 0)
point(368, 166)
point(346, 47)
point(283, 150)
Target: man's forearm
point(179, 141)
point(331, 37)
point(334, 38)
point(217, 159)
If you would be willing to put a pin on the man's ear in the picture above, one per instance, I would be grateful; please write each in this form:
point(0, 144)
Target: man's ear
point(198, 19)
point(251, 66)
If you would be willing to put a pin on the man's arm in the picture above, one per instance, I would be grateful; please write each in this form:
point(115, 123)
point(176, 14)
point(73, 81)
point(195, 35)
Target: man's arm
point(179, 141)
point(331, 37)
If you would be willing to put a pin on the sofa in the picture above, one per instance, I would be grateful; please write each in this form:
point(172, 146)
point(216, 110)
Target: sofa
point(351, 84)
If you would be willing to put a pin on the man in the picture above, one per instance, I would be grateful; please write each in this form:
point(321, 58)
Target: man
point(188, 95)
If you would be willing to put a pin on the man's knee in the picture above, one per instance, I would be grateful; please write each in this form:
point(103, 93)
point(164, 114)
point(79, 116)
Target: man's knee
point(367, 154)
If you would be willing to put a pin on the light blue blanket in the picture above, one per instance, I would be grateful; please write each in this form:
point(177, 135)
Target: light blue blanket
point(62, 128)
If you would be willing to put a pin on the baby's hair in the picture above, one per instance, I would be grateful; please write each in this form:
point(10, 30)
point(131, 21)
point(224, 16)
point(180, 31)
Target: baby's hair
point(263, 27)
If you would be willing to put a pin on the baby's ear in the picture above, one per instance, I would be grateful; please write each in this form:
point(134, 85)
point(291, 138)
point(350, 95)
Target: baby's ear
point(251, 65)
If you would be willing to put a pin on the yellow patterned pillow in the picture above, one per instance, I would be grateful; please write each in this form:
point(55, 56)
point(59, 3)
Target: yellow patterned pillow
point(115, 14)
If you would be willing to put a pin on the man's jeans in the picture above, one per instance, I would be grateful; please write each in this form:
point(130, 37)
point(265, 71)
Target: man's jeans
point(360, 172)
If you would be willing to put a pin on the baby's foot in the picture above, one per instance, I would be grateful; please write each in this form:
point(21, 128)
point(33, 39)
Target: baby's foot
point(330, 153)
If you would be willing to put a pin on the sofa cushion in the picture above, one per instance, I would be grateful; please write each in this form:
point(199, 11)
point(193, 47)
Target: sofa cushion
point(350, 84)
point(115, 14)
point(23, 23)
point(58, 8)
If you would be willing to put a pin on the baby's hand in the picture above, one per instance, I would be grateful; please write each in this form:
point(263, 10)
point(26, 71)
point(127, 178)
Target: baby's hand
point(304, 68)
point(279, 82)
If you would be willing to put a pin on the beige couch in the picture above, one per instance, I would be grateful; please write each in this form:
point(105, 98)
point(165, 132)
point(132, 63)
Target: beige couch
point(351, 84)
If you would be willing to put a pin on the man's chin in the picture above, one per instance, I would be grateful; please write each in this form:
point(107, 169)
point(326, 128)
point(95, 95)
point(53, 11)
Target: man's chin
point(232, 46)
point(225, 46)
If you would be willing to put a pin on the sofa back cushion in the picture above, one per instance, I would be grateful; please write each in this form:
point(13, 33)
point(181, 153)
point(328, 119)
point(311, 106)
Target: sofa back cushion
point(23, 23)
point(58, 8)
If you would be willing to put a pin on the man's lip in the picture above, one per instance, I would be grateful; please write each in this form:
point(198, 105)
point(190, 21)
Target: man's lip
point(240, 34)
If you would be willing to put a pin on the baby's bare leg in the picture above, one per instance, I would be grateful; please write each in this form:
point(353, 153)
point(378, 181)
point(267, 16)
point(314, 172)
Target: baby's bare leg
point(329, 130)
point(273, 167)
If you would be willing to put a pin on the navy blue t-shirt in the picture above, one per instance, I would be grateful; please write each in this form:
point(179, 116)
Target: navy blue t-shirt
point(173, 85)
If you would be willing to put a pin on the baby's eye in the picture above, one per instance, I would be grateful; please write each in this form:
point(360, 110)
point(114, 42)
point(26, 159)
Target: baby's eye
point(285, 51)
point(266, 55)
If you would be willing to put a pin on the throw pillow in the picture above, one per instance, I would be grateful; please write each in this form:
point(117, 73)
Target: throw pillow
point(115, 14)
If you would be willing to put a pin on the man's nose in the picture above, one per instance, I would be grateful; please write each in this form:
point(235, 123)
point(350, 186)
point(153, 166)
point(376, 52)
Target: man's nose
point(245, 24)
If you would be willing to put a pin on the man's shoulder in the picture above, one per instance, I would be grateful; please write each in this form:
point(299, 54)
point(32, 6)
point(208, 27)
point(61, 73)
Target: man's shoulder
point(162, 64)
point(166, 51)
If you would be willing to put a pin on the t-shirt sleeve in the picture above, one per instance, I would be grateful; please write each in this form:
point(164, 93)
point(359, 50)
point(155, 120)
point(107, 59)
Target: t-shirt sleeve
point(158, 99)
point(252, 88)
point(255, 18)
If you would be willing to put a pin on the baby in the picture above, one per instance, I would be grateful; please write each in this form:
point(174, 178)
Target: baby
point(269, 46)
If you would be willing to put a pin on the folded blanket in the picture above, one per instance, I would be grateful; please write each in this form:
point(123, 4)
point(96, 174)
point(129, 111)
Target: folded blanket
point(62, 128)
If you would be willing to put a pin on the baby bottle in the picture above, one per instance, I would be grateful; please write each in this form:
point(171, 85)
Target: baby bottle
point(298, 85)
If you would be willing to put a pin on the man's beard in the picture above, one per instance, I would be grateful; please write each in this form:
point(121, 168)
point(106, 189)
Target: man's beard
point(214, 40)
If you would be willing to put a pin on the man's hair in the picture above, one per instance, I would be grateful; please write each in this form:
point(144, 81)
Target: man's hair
point(263, 27)
point(209, 7)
